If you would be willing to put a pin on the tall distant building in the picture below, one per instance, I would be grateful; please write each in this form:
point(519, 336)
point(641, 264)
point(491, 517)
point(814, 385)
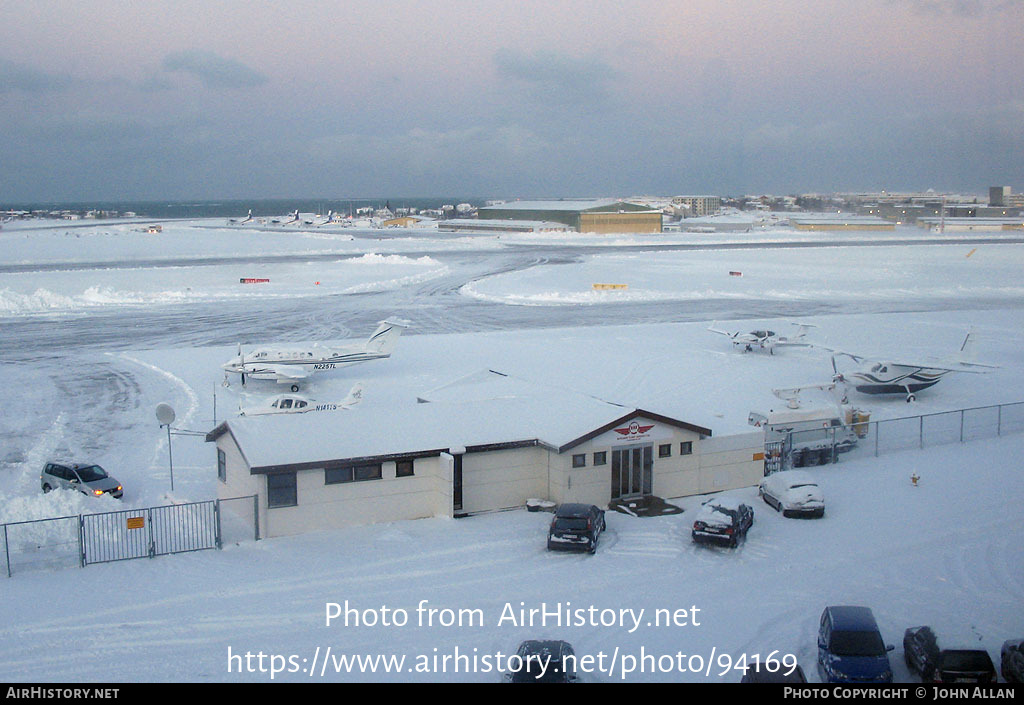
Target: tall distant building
point(1003, 196)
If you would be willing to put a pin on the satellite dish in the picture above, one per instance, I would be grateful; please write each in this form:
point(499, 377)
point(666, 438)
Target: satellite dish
point(164, 414)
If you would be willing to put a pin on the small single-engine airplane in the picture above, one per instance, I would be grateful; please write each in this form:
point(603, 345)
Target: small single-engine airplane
point(293, 365)
point(764, 339)
point(878, 376)
point(295, 404)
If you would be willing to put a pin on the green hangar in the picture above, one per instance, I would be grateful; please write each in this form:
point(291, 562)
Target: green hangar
point(585, 216)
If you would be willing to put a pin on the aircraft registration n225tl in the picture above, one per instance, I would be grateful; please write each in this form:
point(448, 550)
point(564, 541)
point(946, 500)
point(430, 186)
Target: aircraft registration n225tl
point(293, 365)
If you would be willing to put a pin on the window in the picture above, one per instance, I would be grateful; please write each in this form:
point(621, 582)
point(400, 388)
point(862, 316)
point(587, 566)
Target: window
point(222, 465)
point(352, 473)
point(601, 457)
point(281, 490)
point(686, 448)
point(403, 468)
point(665, 450)
point(579, 461)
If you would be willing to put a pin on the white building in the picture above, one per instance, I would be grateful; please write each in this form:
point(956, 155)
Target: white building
point(483, 443)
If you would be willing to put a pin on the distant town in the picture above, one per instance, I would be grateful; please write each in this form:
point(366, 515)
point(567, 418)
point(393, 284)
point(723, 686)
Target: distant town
point(1002, 210)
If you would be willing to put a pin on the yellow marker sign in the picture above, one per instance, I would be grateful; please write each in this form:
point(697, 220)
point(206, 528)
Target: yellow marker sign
point(758, 456)
point(972, 252)
point(611, 286)
point(136, 522)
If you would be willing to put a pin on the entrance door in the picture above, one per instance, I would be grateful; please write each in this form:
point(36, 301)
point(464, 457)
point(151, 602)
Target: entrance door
point(632, 471)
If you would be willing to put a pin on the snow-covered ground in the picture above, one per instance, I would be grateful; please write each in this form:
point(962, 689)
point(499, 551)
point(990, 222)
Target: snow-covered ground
point(946, 553)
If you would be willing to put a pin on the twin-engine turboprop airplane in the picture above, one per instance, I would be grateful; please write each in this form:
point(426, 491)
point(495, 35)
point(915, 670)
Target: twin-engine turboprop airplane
point(765, 339)
point(877, 376)
point(295, 404)
point(293, 365)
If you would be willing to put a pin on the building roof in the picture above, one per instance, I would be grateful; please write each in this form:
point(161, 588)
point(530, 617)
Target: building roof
point(484, 410)
point(569, 206)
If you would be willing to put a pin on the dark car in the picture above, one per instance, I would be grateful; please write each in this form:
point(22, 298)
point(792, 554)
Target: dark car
point(1011, 665)
point(774, 673)
point(850, 647)
point(576, 527)
point(722, 520)
point(922, 654)
point(543, 662)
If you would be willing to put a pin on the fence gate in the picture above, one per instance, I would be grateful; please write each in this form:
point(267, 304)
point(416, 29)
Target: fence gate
point(773, 456)
point(115, 536)
point(142, 533)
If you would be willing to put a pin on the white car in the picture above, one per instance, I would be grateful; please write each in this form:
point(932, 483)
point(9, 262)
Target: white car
point(793, 492)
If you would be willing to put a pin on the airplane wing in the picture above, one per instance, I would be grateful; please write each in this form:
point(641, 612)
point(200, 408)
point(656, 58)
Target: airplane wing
point(291, 372)
point(721, 332)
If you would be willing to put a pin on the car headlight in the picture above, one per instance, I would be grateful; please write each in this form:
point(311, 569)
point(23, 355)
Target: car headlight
point(97, 492)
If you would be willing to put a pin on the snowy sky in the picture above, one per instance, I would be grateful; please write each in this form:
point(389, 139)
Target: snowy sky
point(102, 99)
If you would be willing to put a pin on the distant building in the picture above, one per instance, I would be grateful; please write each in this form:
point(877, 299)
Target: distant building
point(1003, 196)
point(839, 221)
point(585, 215)
point(696, 206)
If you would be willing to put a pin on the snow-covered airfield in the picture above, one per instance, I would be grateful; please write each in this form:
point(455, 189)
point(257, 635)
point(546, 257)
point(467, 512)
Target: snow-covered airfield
point(98, 324)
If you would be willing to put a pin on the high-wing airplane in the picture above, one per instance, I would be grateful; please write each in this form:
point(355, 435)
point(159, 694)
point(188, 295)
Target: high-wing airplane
point(293, 365)
point(296, 404)
point(293, 217)
point(328, 219)
point(878, 376)
point(764, 339)
point(246, 219)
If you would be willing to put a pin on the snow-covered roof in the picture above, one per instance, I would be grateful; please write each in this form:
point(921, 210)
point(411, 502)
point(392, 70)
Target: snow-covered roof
point(482, 409)
point(567, 205)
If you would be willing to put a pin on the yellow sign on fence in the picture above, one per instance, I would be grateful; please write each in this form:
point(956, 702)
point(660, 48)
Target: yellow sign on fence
point(136, 522)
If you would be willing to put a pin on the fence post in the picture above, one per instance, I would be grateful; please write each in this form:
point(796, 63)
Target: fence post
point(216, 516)
point(961, 425)
point(7, 552)
point(920, 432)
point(149, 528)
point(999, 420)
point(878, 430)
point(81, 540)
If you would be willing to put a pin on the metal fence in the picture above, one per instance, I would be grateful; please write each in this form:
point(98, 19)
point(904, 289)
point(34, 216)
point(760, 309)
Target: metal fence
point(127, 534)
point(871, 439)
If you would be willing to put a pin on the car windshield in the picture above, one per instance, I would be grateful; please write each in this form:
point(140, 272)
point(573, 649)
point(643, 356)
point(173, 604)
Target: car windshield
point(91, 473)
point(572, 523)
point(803, 484)
point(966, 661)
point(534, 671)
point(857, 644)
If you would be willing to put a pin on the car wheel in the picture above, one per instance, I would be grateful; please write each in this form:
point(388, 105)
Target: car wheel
point(47, 488)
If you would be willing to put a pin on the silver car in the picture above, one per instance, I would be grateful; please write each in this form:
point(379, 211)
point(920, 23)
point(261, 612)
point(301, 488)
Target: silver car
point(85, 477)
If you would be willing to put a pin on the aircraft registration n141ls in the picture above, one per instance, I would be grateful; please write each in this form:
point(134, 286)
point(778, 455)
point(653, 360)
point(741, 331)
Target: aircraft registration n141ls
point(296, 404)
point(878, 376)
point(293, 365)
point(764, 339)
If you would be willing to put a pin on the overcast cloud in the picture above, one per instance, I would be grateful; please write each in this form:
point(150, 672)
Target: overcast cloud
point(168, 100)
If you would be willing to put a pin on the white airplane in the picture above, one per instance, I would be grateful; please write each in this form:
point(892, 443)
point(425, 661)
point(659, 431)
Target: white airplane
point(328, 219)
point(877, 376)
point(764, 339)
point(293, 217)
point(293, 365)
point(246, 219)
point(295, 404)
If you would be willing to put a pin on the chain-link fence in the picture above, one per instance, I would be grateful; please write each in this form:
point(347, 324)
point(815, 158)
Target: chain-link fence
point(828, 445)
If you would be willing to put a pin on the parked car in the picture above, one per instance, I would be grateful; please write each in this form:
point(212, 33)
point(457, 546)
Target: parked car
point(760, 673)
point(544, 662)
point(850, 647)
point(722, 520)
point(793, 492)
point(576, 527)
point(87, 478)
point(1011, 663)
point(923, 655)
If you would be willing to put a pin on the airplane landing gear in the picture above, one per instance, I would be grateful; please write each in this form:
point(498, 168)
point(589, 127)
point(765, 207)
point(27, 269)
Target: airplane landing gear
point(295, 387)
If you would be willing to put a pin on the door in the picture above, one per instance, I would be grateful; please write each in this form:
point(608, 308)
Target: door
point(632, 471)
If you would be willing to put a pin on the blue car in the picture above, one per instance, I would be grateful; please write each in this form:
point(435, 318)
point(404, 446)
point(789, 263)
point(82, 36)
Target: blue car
point(850, 647)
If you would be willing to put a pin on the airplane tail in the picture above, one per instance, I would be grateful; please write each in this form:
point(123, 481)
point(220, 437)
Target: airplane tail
point(355, 395)
point(385, 338)
point(965, 356)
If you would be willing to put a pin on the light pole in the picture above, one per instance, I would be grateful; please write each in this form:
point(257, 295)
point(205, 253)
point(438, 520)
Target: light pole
point(165, 415)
